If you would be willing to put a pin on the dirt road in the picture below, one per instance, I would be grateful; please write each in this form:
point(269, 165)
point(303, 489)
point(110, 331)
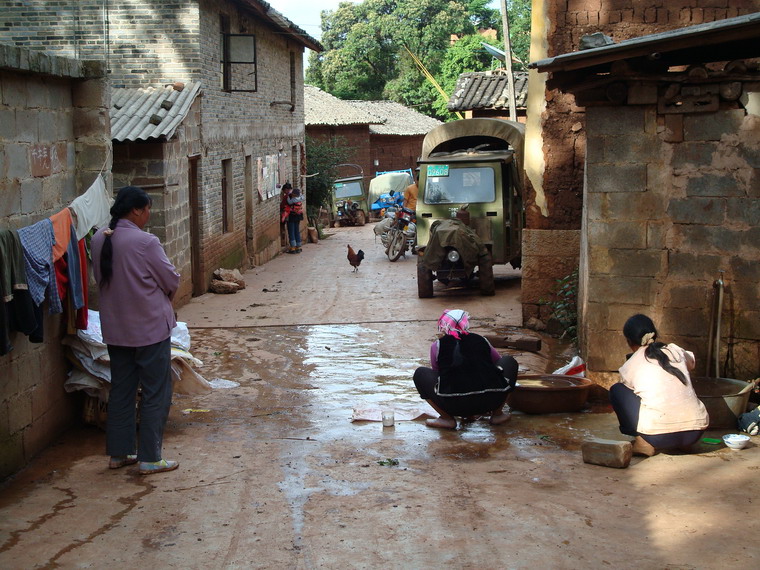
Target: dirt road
point(275, 475)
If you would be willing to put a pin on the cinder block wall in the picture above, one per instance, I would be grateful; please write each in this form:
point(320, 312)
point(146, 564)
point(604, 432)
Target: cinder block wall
point(52, 145)
point(671, 201)
point(555, 130)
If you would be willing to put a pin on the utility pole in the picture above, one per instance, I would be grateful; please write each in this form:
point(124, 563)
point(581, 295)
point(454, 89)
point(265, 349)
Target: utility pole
point(508, 62)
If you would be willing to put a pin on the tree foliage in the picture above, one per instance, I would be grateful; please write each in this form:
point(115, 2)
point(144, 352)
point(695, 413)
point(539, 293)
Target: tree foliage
point(368, 45)
point(322, 159)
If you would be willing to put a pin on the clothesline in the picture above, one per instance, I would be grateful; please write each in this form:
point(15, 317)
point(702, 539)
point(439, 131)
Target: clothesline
point(47, 260)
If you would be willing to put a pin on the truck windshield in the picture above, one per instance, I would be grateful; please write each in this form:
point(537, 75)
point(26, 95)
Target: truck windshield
point(470, 185)
point(348, 189)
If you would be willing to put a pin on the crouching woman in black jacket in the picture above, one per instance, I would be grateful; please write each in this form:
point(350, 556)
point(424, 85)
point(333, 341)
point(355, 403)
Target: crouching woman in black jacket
point(467, 376)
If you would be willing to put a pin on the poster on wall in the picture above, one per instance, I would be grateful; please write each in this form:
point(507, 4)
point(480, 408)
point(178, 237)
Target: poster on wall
point(272, 177)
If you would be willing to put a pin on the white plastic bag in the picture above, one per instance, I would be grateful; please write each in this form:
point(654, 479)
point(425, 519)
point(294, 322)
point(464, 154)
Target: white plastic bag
point(576, 367)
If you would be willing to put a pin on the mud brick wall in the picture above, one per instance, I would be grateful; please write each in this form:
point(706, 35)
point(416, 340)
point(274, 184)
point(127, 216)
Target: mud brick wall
point(671, 201)
point(54, 139)
point(555, 129)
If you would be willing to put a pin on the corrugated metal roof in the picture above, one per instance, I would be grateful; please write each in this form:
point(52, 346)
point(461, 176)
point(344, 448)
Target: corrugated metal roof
point(487, 90)
point(149, 112)
point(397, 119)
point(722, 40)
point(324, 109)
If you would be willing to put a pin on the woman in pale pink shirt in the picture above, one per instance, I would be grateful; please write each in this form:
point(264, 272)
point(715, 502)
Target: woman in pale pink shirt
point(137, 283)
point(654, 400)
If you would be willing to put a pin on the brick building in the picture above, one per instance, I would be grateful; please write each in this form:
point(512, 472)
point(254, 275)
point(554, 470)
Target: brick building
point(215, 184)
point(555, 139)
point(381, 135)
point(671, 192)
point(204, 102)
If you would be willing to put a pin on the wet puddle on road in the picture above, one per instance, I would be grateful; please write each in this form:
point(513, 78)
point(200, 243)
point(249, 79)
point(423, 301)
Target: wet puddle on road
point(316, 376)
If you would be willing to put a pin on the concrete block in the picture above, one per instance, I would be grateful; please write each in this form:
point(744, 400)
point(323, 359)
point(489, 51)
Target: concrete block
point(744, 211)
point(17, 160)
point(624, 290)
point(697, 211)
point(550, 242)
point(609, 177)
point(642, 94)
point(31, 195)
point(673, 128)
point(694, 266)
point(615, 120)
point(624, 235)
point(697, 128)
point(707, 239)
point(11, 454)
point(693, 153)
point(607, 452)
point(643, 206)
point(19, 413)
point(714, 185)
point(7, 125)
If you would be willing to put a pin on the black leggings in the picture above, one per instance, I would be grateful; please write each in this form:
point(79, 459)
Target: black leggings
point(426, 378)
point(627, 405)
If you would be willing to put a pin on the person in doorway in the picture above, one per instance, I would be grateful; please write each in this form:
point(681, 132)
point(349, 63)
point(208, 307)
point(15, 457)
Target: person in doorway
point(295, 203)
point(284, 207)
point(467, 376)
point(137, 283)
point(654, 400)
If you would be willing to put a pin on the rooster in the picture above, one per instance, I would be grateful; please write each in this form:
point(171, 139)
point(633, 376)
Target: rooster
point(355, 258)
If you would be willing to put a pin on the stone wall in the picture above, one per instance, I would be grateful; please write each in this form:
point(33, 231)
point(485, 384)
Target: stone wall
point(671, 202)
point(555, 130)
point(54, 140)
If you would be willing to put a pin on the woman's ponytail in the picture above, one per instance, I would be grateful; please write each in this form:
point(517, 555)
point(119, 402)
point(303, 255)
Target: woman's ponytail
point(128, 198)
point(639, 330)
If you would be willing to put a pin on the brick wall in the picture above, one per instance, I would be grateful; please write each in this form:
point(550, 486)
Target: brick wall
point(555, 132)
point(356, 139)
point(658, 236)
point(52, 145)
point(395, 152)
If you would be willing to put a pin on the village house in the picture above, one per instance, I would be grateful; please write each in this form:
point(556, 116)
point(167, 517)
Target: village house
point(381, 135)
point(212, 163)
point(486, 94)
point(200, 102)
point(671, 192)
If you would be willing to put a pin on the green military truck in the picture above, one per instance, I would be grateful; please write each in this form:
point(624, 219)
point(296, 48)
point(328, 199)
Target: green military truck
point(470, 205)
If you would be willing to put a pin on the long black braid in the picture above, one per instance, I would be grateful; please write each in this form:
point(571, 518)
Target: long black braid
point(127, 199)
point(640, 330)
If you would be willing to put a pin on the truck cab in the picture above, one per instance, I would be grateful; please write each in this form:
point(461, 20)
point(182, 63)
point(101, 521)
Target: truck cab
point(469, 172)
point(349, 202)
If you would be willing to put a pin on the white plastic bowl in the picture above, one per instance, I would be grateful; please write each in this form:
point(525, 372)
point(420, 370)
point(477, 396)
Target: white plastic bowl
point(736, 441)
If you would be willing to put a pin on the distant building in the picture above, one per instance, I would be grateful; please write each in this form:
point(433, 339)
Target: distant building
point(382, 135)
point(486, 94)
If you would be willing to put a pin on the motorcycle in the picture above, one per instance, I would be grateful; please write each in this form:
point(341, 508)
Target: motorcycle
point(401, 235)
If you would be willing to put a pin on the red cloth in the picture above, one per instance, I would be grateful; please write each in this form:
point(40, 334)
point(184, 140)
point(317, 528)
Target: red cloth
point(81, 320)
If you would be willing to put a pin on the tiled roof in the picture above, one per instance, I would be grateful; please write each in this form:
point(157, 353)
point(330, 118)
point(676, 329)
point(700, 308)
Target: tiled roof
point(487, 90)
point(324, 109)
point(150, 112)
point(397, 119)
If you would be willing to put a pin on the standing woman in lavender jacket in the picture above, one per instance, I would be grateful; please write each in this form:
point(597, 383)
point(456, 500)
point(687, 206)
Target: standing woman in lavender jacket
point(137, 283)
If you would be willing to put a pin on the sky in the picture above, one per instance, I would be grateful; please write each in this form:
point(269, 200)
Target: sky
point(305, 13)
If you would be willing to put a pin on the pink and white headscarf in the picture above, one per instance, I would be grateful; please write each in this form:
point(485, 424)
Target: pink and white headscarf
point(454, 322)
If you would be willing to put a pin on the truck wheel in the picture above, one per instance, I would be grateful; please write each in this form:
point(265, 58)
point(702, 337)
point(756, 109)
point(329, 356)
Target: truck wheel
point(396, 247)
point(424, 282)
point(485, 275)
point(361, 219)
